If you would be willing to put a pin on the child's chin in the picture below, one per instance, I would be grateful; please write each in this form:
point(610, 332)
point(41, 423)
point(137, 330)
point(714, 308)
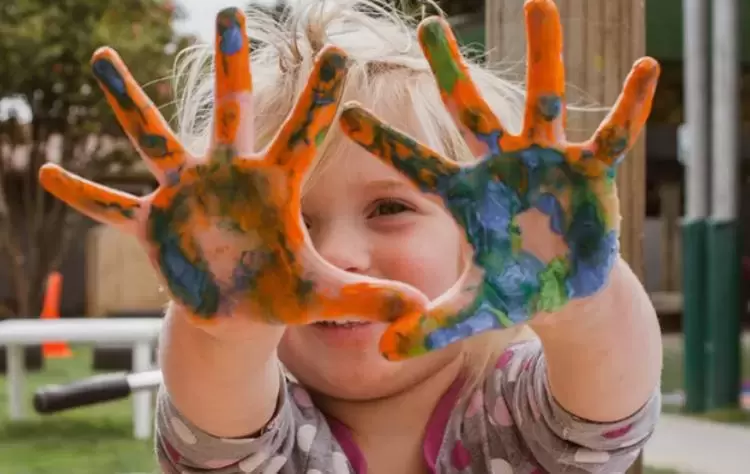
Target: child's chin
point(350, 380)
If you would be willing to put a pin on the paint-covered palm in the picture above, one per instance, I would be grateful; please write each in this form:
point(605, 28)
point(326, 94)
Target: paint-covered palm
point(225, 230)
point(537, 170)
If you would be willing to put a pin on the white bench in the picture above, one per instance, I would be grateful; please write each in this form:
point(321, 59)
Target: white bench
point(139, 333)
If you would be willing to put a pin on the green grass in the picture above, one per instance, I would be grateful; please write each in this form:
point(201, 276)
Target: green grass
point(96, 440)
point(673, 374)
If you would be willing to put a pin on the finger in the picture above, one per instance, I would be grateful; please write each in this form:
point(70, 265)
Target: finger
point(544, 120)
point(305, 129)
point(621, 128)
point(98, 202)
point(139, 117)
point(423, 166)
point(480, 128)
point(372, 301)
point(343, 294)
point(476, 304)
point(233, 120)
point(419, 334)
point(411, 336)
point(330, 295)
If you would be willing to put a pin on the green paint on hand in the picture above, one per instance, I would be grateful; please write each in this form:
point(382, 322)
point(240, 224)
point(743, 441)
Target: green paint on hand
point(552, 293)
point(505, 321)
point(444, 65)
point(321, 136)
point(516, 239)
point(127, 212)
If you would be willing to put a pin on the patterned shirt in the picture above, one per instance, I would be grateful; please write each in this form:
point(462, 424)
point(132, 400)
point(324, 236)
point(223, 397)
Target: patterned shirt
point(511, 424)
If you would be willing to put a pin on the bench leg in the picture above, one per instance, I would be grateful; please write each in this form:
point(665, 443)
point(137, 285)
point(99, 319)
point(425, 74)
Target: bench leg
point(142, 399)
point(15, 365)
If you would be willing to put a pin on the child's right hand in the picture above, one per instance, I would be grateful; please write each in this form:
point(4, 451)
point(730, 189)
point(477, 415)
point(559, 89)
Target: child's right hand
point(225, 231)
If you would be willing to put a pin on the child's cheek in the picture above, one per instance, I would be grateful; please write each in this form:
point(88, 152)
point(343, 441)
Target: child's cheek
point(430, 268)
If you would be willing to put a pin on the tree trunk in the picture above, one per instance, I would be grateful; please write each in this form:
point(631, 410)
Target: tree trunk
point(602, 41)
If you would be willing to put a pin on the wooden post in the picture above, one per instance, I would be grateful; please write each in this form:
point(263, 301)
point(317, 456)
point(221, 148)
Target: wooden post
point(669, 194)
point(602, 41)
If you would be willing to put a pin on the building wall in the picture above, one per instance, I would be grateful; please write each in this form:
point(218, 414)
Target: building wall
point(119, 275)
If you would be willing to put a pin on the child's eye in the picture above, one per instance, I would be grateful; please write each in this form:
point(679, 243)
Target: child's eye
point(387, 207)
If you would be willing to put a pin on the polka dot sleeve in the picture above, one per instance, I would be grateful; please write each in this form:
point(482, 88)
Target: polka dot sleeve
point(296, 440)
point(182, 447)
point(518, 399)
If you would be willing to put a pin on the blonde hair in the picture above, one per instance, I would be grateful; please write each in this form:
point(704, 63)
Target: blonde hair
point(388, 74)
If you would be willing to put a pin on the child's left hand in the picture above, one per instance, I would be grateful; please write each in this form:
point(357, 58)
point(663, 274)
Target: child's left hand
point(511, 277)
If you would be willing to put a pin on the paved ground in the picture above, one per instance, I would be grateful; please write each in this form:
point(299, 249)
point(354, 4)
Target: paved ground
point(693, 446)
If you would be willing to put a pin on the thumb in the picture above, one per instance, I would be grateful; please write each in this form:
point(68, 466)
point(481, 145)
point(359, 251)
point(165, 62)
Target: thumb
point(467, 309)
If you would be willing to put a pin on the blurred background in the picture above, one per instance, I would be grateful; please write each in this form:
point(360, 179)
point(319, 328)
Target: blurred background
point(52, 110)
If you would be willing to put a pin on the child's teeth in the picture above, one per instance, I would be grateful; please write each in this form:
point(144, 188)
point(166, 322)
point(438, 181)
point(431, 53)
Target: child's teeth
point(342, 323)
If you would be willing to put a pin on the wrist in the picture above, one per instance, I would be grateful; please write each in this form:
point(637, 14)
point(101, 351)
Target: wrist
point(236, 329)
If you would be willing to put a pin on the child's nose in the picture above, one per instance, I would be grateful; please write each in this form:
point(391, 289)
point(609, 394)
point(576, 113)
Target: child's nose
point(345, 248)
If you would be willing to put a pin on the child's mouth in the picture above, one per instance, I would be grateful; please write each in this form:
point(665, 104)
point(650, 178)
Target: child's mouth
point(342, 324)
point(346, 334)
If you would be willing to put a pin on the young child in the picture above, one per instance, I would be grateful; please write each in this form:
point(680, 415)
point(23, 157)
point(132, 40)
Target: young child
point(294, 380)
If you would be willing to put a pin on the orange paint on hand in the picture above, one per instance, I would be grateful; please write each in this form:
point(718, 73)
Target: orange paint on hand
point(232, 74)
point(536, 169)
point(102, 204)
point(224, 230)
point(139, 117)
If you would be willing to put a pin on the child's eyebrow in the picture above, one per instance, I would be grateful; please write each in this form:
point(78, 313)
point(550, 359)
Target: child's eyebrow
point(387, 184)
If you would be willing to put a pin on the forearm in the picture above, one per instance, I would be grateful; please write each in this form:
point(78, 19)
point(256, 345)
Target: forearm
point(227, 388)
point(603, 353)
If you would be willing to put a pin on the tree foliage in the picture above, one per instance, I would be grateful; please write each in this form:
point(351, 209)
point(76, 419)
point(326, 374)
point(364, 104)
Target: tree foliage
point(45, 51)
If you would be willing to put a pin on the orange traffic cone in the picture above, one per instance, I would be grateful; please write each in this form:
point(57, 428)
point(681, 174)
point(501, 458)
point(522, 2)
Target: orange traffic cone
point(51, 310)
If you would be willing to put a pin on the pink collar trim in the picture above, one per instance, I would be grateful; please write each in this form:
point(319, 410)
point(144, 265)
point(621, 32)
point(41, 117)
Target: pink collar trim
point(434, 433)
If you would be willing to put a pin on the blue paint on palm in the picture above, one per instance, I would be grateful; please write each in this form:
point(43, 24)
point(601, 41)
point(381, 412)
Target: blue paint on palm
point(183, 274)
point(517, 285)
point(506, 298)
point(484, 207)
point(550, 205)
point(484, 318)
point(190, 281)
point(592, 252)
point(485, 199)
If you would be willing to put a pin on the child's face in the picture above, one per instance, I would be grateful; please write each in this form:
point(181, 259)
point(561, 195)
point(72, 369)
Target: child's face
point(365, 217)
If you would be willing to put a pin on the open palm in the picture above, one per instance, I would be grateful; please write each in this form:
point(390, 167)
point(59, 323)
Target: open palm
point(225, 230)
point(538, 169)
